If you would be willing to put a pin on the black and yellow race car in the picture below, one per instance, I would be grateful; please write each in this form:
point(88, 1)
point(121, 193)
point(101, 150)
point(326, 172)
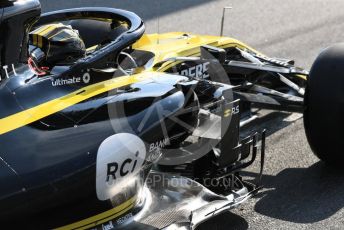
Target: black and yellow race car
point(103, 126)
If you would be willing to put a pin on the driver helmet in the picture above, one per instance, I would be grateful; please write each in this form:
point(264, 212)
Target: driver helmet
point(55, 44)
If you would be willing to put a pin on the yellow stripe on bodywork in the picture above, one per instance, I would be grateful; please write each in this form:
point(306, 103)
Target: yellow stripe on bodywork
point(29, 116)
point(303, 77)
point(175, 44)
point(102, 218)
point(92, 48)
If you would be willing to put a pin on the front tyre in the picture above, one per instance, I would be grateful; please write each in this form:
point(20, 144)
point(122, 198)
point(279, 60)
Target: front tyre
point(324, 106)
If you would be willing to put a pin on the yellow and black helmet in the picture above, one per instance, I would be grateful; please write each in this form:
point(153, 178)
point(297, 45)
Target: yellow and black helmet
point(55, 44)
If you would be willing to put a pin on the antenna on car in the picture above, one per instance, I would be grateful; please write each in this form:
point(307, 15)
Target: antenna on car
point(159, 9)
point(223, 18)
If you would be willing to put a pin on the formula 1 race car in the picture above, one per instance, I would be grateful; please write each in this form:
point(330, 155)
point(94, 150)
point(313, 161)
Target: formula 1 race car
point(103, 126)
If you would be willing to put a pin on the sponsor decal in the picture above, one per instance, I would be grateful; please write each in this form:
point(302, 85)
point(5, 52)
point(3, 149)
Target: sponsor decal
point(6, 70)
point(157, 146)
point(198, 71)
point(123, 219)
point(229, 112)
point(125, 167)
point(108, 226)
point(86, 78)
point(119, 160)
point(68, 81)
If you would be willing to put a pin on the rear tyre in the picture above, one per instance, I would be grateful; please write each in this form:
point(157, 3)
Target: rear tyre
point(324, 106)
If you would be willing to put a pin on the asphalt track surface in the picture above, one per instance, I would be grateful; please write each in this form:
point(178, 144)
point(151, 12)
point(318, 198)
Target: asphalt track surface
point(300, 192)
